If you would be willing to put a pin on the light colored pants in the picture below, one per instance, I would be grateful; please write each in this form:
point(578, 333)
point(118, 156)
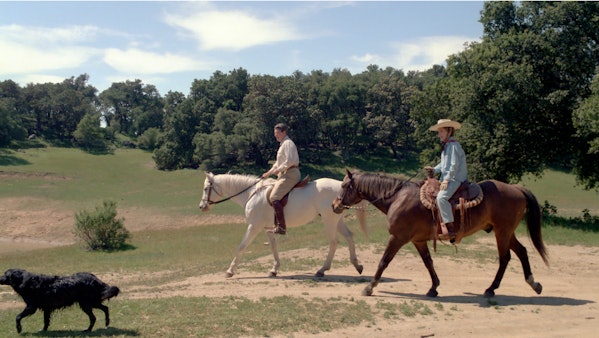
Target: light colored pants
point(285, 182)
point(443, 201)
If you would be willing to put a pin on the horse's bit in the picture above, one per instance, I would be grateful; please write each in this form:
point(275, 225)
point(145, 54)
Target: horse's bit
point(210, 188)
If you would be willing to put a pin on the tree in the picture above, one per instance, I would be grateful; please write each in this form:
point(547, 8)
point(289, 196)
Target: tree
point(516, 90)
point(134, 107)
point(11, 123)
point(586, 122)
point(89, 135)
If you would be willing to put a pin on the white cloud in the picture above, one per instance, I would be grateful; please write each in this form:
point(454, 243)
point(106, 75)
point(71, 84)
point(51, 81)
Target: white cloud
point(233, 30)
point(34, 49)
point(39, 78)
point(137, 61)
point(419, 54)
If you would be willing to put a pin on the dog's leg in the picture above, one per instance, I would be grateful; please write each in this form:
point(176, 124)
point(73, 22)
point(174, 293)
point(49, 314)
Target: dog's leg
point(47, 316)
point(29, 310)
point(106, 315)
point(92, 319)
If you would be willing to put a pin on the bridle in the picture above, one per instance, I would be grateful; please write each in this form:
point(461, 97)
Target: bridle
point(210, 188)
point(342, 195)
point(352, 186)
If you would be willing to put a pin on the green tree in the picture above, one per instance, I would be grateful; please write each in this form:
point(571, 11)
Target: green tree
point(89, 135)
point(516, 90)
point(586, 122)
point(133, 106)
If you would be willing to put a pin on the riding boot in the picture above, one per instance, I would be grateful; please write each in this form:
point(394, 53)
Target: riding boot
point(451, 232)
point(280, 226)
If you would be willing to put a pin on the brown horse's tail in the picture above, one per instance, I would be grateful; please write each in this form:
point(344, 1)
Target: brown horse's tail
point(533, 222)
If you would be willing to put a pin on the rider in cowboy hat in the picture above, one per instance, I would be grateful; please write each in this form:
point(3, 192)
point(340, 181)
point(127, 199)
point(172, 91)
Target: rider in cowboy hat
point(452, 169)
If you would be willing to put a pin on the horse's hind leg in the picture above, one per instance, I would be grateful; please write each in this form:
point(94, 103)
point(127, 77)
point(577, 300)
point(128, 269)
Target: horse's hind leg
point(425, 254)
point(331, 228)
point(393, 247)
point(520, 251)
point(349, 237)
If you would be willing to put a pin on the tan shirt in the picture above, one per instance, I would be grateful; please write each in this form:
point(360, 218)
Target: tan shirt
point(287, 156)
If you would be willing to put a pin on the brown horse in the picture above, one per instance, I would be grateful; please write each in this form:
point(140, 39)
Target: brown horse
point(408, 220)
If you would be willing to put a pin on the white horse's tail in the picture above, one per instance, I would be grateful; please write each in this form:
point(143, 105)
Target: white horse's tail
point(361, 214)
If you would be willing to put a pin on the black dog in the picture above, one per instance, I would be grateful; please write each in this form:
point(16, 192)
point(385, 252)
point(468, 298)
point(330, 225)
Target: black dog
point(49, 293)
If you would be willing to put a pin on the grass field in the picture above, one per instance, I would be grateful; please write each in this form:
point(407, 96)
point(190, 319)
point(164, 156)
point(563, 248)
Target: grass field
point(75, 180)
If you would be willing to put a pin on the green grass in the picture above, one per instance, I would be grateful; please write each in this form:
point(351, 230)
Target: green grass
point(75, 180)
point(560, 189)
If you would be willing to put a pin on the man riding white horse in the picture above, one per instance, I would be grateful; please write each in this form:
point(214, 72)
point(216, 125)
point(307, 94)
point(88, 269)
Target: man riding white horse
point(286, 167)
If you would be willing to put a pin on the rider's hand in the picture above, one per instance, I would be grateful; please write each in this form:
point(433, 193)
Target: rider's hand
point(444, 185)
point(430, 171)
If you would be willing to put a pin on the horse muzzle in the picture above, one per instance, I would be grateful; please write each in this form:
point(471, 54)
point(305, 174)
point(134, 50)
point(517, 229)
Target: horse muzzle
point(337, 206)
point(204, 206)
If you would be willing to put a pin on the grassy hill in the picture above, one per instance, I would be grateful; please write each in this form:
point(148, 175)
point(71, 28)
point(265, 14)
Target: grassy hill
point(68, 180)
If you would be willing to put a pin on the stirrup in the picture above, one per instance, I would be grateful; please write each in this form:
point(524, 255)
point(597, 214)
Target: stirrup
point(277, 231)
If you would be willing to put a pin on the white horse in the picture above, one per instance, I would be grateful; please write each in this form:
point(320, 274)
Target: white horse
point(303, 206)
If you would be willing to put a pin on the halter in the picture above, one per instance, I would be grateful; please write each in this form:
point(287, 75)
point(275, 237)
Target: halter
point(210, 202)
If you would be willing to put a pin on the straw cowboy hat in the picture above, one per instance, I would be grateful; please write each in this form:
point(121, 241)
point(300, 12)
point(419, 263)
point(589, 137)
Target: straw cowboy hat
point(445, 123)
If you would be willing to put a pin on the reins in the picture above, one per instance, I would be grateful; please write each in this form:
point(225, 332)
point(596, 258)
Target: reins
point(380, 198)
point(237, 194)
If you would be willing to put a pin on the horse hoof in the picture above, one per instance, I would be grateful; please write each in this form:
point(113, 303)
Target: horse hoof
point(432, 293)
point(360, 268)
point(489, 294)
point(319, 274)
point(539, 288)
point(367, 291)
point(272, 274)
point(229, 274)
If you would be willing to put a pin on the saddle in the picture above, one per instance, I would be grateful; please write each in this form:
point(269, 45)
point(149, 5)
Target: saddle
point(285, 198)
point(467, 196)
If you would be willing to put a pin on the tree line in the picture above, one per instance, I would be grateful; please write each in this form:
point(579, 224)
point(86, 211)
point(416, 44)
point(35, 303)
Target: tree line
point(527, 95)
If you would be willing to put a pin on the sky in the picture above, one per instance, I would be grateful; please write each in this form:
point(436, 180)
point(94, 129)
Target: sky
point(171, 44)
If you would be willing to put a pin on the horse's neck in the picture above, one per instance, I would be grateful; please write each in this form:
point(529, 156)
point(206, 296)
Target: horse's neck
point(384, 195)
point(233, 184)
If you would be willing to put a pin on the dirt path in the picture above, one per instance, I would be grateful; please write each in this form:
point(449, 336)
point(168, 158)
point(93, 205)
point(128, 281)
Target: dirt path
point(568, 306)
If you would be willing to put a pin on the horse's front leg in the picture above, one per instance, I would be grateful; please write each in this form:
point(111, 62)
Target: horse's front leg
point(349, 237)
point(425, 254)
point(249, 236)
point(275, 253)
point(504, 259)
point(393, 247)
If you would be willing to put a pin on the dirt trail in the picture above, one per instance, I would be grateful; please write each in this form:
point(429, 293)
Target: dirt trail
point(568, 306)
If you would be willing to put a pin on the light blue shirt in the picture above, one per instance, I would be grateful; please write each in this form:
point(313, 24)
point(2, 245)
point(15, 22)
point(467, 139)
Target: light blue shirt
point(453, 163)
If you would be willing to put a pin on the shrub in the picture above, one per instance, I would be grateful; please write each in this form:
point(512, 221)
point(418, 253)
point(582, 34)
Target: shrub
point(99, 229)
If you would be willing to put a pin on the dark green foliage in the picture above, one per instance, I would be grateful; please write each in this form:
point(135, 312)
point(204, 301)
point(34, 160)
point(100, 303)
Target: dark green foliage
point(99, 229)
point(89, 135)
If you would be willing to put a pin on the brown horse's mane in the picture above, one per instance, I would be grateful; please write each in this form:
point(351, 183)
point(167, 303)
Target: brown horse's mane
point(381, 184)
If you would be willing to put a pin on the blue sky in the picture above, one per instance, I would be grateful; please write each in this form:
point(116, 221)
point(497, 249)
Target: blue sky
point(169, 44)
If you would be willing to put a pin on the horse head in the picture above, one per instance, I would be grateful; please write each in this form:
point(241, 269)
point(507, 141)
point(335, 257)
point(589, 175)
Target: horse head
point(348, 195)
point(208, 188)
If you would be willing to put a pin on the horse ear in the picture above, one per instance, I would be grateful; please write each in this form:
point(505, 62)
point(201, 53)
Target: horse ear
point(348, 173)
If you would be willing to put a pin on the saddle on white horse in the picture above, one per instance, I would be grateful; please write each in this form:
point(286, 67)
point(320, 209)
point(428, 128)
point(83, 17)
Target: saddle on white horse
point(300, 184)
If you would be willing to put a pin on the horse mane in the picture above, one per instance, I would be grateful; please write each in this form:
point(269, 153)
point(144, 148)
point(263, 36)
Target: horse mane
point(378, 183)
point(243, 180)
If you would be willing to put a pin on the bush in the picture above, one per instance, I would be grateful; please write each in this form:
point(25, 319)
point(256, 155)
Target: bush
point(99, 229)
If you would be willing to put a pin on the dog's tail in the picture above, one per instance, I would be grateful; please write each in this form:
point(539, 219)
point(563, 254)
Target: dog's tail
point(110, 292)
